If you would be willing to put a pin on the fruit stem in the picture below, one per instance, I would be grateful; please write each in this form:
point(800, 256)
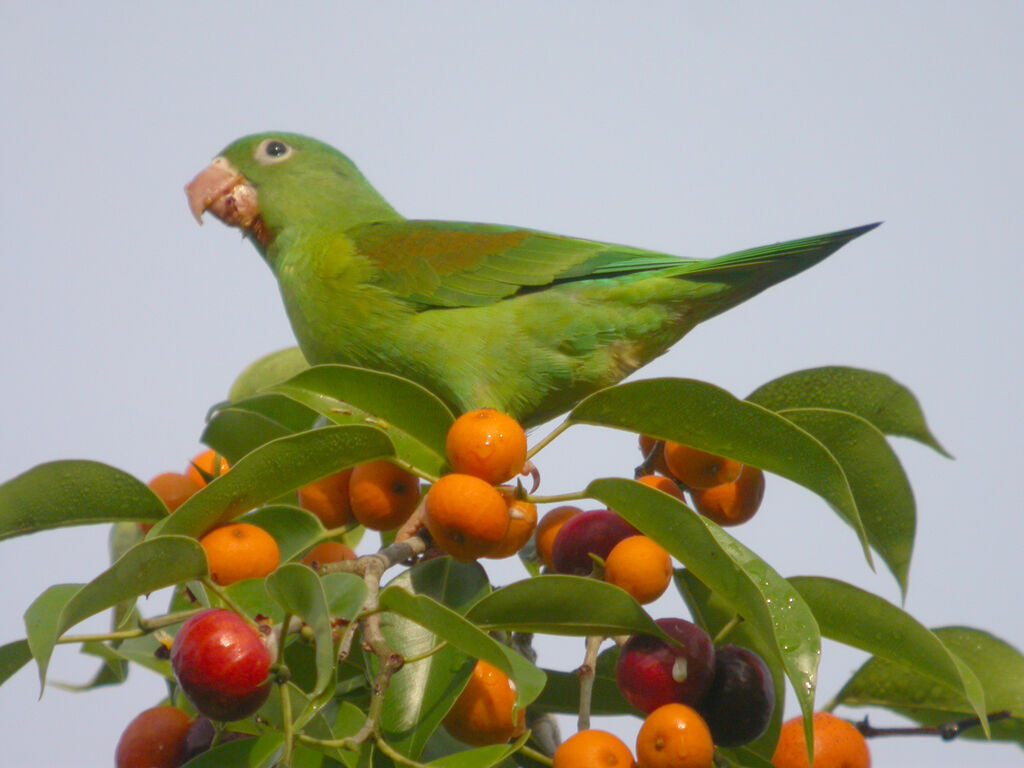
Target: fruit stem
point(426, 654)
point(547, 439)
point(586, 673)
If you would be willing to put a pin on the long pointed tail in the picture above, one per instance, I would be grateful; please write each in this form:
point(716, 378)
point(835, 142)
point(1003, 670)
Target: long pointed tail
point(747, 273)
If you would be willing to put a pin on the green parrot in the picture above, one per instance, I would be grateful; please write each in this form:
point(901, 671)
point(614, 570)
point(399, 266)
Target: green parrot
point(482, 315)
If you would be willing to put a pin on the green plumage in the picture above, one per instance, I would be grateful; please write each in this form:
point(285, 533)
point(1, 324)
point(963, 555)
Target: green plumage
point(482, 315)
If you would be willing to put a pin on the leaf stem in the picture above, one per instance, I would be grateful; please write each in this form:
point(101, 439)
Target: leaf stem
point(728, 627)
point(556, 497)
point(548, 438)
point(946, 731)
point(145, 627)
point(534, 754)
point(223, 596)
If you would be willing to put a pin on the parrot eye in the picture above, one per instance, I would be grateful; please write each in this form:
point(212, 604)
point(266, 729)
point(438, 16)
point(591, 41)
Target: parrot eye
point(272, 151)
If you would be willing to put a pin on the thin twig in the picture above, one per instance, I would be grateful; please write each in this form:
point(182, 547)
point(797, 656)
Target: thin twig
point(547, 439)
point(586, 675)
point(945, 731)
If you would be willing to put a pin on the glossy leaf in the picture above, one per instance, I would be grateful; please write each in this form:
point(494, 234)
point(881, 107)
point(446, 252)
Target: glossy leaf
point(297, 589)
point(998, 666)
point(64, 493)
point(709, 418)
point(460, 633)
point(747, 584)
point(879, 484)
point(422, 691)
point(562, 692)
point(415, 420)
point(875, 397)
point(294, 529)
point(850, 615)
point(154, 564)
point(234, 432)
point(274, 469)
point(13, 656)
point(481, 757)
point(714, 614)
point(267, 371)
point(562, 605)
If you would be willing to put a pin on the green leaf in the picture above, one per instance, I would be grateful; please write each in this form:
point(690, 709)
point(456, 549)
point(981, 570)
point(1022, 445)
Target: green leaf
point(998, 666)
point(268, 370)
point(251, 596)
point(562, 692)
point(234, 432)
point(850, 615)
point(415, 420)
point(345, 594)
point(41, 621)
point(113, 671)
point(481, 757)
point(741, 757)
point(272, 470)
point(297, 589)
point(13, 656)
point(467, 637)
point(706, 417)
point(562, 605)
point(422, 692)
point(73, 493)
point(875, 397)
point(773, 608)
point(880, 487)
point(714, 614)
point(154, 564)
point(294, 529)
point(260, 752)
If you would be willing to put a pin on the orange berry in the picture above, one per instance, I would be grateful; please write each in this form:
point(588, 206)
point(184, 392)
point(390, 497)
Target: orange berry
point(647, 444)
point(593, 749)
point(154, 739)
point(210, 462)
point(837, 744)
point(382, 495)
point(487, 444)
point(640, 566)
point(674, 736)
point(732, 503)
point(327, 498)
point(328, 552)
point(239, 551)
point(466, 516)
point(482, 714)
point(665, 484)
point(174, 489)
point(698, 469)
point(522, 520)
point(548, 528)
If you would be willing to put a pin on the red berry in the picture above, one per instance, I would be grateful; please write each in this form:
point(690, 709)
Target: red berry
point(221, 664)
point(652, 672)
point(154, 739)
point(595, 532)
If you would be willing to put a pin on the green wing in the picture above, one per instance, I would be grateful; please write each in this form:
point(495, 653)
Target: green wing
point(455, 264)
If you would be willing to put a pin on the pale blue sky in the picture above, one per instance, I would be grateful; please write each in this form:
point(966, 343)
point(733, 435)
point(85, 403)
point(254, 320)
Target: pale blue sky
point(689, 128)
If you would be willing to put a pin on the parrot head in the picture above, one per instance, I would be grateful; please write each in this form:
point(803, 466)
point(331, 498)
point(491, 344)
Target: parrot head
point(266, 182)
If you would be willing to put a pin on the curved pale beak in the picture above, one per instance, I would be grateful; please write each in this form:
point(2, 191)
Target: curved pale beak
point(225, 192)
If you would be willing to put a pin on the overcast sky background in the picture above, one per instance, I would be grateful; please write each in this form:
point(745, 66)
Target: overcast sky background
point(694, 129)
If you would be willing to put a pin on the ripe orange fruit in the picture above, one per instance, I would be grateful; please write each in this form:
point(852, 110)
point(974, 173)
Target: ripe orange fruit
point(732, 503)
point(154, 739)
point(210, 462)
point(328, 552)
point(174, 489)
point(522, 520)
point(674, 736)
point(837, 744)
point(239, 551)
point(646, 446)
point(698, 469)
point(593, 749)
point(482, 714)
point(327, 498)
point(666, 484)
point(641, 566)
point(382, 495)
point(487, 444)
point(548, 528)
point(466, 516)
